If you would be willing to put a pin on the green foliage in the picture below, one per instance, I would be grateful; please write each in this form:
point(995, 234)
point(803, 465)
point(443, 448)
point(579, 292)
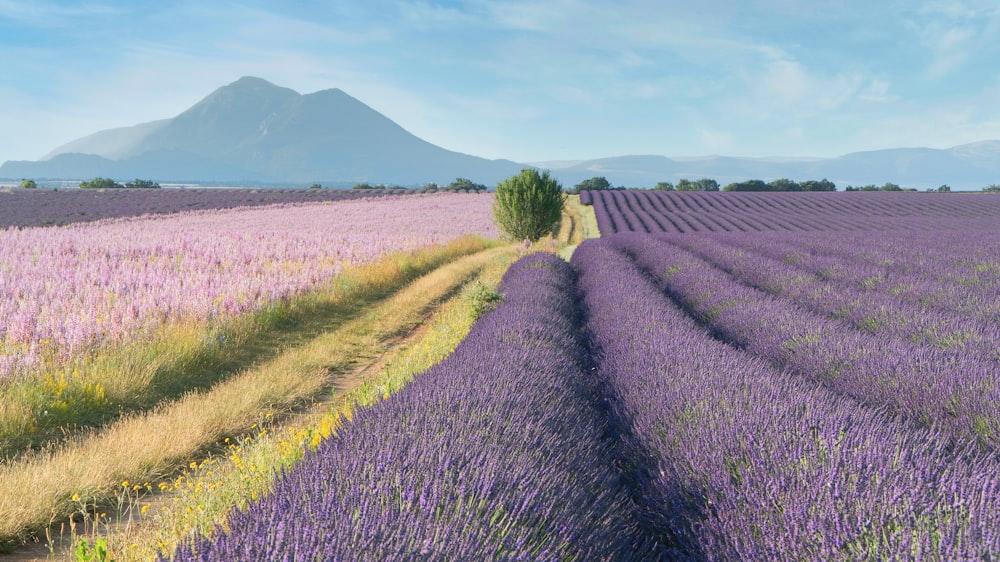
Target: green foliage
point(142, 184)
point(596, 183)
point(749, 185)
point(685, 184)
point(704, 184)
point(464, 184)
point(821, 185)
point(315, 186)
point(944, 189)
point(98, 553)
point(362, 185)
point(101, 183)
point(528, 205)
point(992, 188)
point(888, 186)
point(782, 184)
point(28, 184)
point(663, 186)
point(481, 299)
point(707, 184)
point(108, 183)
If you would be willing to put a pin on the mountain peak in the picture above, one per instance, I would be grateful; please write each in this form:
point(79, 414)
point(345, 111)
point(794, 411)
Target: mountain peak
point(252, 128)
point(252, 83)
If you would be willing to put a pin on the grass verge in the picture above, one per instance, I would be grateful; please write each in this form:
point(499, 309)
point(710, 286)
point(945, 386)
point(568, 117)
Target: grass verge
point(92, 471)
point(59, 401)
point(578, 223)
point(201, 497)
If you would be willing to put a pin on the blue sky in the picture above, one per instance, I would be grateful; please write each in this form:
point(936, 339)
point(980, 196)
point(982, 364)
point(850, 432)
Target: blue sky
point(530, 80)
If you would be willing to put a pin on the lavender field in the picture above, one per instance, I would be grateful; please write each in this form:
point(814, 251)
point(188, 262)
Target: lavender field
point(64, 289)
point(693, 211)
point(48, 207)
point(717, 449)
point(720, 376)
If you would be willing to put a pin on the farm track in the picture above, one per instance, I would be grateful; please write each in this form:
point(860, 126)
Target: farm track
point(152, 445)
point(137, 377)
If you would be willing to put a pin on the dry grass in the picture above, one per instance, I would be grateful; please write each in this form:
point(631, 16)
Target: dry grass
point(201, 497)
point(578, 224)
point(287, 358)
point(100, 387)
point(45, 487)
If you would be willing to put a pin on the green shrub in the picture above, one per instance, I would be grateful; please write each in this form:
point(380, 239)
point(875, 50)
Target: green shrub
point(100, 183)
point(529, 205)
point(482, 298)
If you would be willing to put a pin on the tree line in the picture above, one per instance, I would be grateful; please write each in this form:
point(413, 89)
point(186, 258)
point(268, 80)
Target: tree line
point(599, 183)
point(108, 183)
point(596, 183)
point(708, 184)
point(460, 184)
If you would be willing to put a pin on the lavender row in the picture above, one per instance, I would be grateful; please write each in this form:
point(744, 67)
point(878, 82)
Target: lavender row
point(46, 207)
point(963, 262)
point(880, 313)
point(735, 460)
point(956, 272)
point(498, 453)
point(961, 395)
point(680, 212)
point(63, 289)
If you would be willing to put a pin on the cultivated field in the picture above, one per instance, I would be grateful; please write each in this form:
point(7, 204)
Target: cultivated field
point(719, 376)
point(692, 211)
point(135, 346)
point(48, 207)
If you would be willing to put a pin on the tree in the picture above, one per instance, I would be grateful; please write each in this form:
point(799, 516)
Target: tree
point(28, 184)
point(749, 185)
point(704, 184)
point(528, 205)
point(821, 185)
point(101, 183)
point(944, 189)
point(362, 185)
point(992, 188)
point(315, 186)
point(595, 183)
point(663, 186)
point(707, 184)
point(142, 184)
point(465, 184)
point(784, 184)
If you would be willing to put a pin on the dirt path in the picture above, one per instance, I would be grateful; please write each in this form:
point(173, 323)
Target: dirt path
point(376, 337)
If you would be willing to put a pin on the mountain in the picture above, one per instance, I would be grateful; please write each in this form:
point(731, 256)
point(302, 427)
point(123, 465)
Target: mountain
point(111, 143)
point(254, 131)
point(970, 167)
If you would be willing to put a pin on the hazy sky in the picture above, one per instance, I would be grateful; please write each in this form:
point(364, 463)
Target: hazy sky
point(527, 80)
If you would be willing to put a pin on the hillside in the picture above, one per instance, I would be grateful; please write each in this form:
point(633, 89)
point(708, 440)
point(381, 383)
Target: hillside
point(254, 131)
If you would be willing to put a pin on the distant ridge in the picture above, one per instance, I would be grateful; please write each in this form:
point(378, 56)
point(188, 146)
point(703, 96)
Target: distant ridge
point(254, 131)
point(970, 166)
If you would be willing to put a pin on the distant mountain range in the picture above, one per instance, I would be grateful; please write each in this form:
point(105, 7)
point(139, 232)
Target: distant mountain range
point(969, 167)
point(254, 132)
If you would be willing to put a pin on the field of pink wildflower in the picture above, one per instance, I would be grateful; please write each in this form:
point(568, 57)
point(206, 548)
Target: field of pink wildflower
point(64, 289)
